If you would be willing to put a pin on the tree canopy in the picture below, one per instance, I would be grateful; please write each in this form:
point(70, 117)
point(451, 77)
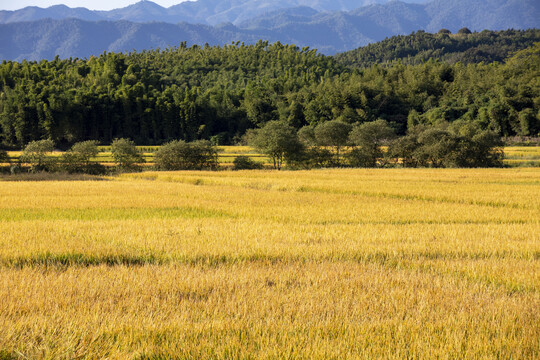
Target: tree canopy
point(219, 93)
point(277, 140)
point(465, 47)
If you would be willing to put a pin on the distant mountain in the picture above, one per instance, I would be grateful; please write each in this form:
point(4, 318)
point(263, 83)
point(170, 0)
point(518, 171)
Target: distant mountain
point(483, 14)
point(236, 11)
point(43, 39)
point(312, 23)
point(332, 32)
point(275, 19)
point(56, 12)
point(211, 12)
point(143, 11)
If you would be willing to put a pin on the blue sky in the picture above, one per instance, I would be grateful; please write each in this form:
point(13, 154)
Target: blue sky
point(89, 4)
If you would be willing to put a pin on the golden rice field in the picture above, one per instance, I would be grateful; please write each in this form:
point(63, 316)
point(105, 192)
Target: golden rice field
point(522, 156)
point(322, 264)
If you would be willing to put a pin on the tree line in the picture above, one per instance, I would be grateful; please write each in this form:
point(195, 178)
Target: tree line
point(37, 156)
point(375, 144)
point(219, 94)
point(330, 144)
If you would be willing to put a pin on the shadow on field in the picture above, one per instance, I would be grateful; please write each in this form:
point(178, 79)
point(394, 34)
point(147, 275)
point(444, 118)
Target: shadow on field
point(44, 176)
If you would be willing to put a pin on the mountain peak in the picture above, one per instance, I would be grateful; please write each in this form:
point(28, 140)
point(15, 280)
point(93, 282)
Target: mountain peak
point(147, 4)
point(142, 11)
point(144, 5)
point(58, 7)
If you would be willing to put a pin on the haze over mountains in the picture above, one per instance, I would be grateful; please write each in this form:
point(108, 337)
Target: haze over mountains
point(330, 26)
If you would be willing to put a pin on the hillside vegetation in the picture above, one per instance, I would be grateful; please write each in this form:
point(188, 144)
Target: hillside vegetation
point(218, 93)
point(464, 46)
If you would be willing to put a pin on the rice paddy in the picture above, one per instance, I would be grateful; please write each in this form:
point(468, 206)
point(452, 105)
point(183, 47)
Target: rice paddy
point(321, 264)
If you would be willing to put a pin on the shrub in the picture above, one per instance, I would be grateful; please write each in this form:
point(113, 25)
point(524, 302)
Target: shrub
point(246, 163)
point(479, 148)
point(85, 150)
point(36, 155)
point(463, 146)
point(360, 157)
point(125, 154)
point(78, 159)
point(312, 157)
point(15, 169)
point(179, 155)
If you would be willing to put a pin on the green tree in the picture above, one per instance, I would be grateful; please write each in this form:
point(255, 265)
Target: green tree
point(438, 148)
point(306, 135)
point(475, 147)
point(220, 92)
point(333, 133)
point(369, 139)
point(296, 116)
point(404, 150)
point(413, 119)
point(259, 105)
point(125, 154)
point(459, 145)
point(36, 153)
point(529, 123)
point(4, 157)
point(317, 157)
point(277, 140)
point(487, 149)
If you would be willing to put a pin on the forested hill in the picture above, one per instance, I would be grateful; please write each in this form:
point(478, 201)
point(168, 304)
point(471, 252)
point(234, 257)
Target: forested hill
point(463, 46)
point(153, 96)
point(218, 93)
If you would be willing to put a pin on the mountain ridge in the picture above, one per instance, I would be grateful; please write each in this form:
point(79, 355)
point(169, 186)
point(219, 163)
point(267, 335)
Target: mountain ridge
point(209, 12)
point(328, 31)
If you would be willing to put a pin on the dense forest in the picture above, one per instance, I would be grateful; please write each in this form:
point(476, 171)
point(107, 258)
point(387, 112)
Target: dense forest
point(218, 93)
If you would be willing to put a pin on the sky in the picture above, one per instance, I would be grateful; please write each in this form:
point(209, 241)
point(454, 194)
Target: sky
point(89, 4)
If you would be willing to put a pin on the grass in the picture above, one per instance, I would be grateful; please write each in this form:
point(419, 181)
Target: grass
point(387, 263)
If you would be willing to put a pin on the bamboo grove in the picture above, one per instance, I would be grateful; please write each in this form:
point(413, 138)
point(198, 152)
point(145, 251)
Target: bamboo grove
point(218, 93)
